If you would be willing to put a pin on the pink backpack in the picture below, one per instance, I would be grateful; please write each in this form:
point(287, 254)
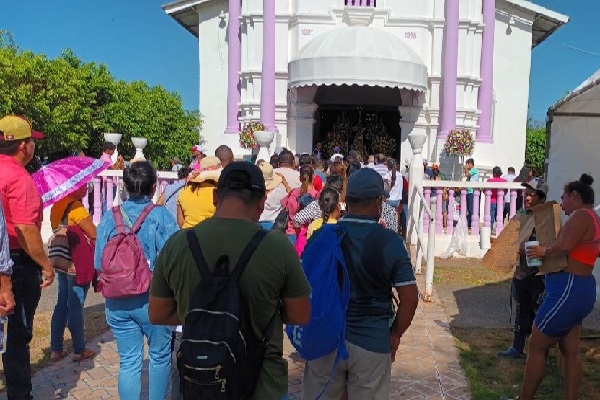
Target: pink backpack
point(124, 268)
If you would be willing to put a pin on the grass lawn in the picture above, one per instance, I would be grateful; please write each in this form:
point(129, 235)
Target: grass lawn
point(491, 377)
point(95, 324)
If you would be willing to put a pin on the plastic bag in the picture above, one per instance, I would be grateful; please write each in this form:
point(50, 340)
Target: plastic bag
point(458, 243)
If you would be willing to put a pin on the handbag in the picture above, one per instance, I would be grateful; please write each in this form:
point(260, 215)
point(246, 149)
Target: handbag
point(82, 253)
point(59, 253)
point(281, 222)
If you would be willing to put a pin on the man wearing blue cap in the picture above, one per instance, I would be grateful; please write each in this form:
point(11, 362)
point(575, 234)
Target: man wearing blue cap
point(377, 262)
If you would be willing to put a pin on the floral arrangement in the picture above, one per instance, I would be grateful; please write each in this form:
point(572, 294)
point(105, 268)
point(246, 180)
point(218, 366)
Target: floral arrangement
point(459, 143)
point(247, 140)
point(383, 144)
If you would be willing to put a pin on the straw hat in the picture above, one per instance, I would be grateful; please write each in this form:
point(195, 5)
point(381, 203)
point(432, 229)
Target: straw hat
point(210, 170)
point(271, 179)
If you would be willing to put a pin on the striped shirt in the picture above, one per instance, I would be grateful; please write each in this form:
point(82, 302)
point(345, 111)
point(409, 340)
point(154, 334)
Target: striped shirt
point(6, 263)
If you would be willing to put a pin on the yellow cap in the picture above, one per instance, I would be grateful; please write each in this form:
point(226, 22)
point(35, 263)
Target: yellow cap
point(13, 127)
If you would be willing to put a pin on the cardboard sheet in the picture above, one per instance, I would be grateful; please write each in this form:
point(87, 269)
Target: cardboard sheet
point(504, 254)
point(548, 223)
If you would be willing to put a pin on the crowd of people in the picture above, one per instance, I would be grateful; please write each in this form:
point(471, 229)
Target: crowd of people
point(254, 220)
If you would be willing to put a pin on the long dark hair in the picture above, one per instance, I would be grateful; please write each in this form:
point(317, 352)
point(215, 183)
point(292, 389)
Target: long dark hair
point(139, 178)
point(584, 187)
point(306, 177)
point(328, 202)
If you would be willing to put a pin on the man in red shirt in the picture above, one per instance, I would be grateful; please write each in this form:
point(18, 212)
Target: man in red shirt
point(497, 177)
point(32, 270)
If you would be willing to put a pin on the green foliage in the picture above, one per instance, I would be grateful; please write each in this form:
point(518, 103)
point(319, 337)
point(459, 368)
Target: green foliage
point(535, 147)
point(74, 102)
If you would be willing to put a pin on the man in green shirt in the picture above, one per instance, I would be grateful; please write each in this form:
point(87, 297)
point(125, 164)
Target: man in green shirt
point(472, 176)
point(273, 274)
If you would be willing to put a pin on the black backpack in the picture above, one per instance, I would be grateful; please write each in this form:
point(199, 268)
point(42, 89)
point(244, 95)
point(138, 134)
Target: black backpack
point(220, 357)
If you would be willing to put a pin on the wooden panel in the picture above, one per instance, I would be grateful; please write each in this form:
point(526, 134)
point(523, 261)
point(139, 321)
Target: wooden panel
point(548, 223)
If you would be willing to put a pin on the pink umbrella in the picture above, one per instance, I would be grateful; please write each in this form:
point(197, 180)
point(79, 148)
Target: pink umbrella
point(57, 180)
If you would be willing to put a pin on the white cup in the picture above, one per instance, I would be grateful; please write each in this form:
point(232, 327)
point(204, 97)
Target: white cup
point(532, 262)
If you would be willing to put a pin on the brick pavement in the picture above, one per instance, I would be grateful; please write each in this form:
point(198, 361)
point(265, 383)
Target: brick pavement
point(426, 366)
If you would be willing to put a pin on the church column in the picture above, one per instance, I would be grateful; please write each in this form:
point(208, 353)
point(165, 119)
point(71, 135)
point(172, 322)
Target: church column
point(484, 134)
point(449, 70)
point(267, 88)
point(234, 65)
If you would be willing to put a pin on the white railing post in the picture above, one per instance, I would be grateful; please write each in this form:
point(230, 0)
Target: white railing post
point(417, 140)
point(430, 258)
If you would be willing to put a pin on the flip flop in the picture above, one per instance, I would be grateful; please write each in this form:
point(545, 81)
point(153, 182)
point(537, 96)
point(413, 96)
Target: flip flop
point(86, 354)
point(57, 357)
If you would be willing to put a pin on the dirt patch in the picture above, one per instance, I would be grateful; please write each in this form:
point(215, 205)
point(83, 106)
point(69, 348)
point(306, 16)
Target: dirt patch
point(466, 272)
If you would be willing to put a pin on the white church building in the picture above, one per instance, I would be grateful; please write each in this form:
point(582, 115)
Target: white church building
point(365, 73)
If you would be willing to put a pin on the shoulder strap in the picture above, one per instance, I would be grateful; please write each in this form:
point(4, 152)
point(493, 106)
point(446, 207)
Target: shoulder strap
point(64, 219)
point(247, 254)
point(197, 253)
point(140, 220)
point(173, 194)
point(119, 223)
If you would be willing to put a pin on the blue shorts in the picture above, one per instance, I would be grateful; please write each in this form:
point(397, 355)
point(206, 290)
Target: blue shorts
point(568, 300)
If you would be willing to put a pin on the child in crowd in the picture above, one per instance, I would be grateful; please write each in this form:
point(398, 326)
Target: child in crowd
point(329, 202)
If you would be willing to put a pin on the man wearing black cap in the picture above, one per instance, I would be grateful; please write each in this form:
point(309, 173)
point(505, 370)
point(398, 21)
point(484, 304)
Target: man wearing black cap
point(527, 287)
point(272, 275)
point(377, 262)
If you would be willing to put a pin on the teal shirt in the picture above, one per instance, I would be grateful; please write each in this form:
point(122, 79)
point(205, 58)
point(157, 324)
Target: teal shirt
point(473, 177)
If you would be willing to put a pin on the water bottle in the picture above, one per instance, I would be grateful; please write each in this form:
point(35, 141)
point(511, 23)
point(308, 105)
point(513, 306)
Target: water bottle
point(3, 333)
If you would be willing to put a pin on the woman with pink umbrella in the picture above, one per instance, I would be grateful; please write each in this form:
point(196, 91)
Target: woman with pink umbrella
point(63, 184)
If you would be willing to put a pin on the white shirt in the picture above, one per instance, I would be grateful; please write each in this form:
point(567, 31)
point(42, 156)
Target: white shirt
point(509, 178)
point(273, 204)
point(383, 171)
point(291, 176)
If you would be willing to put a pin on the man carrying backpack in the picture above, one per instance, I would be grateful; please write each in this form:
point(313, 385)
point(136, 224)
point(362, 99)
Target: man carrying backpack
point(377, 262)
point(229, 257)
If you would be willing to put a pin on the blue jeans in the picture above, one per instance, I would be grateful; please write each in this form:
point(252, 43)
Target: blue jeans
point(129, 323)
point(266, 224)
point(292, 238)
point(493, 211)
point(470, 199)
point(68, 312)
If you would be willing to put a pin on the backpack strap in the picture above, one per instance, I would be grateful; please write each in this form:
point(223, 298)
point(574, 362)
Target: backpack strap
point(64, 220)
point(197, 254)
point(173, 194)
point(140, 220)
point(119, 222)
point(247, 254)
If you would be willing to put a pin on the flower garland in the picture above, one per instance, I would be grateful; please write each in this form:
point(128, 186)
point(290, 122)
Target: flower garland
point(247, 140)
point(459, 143)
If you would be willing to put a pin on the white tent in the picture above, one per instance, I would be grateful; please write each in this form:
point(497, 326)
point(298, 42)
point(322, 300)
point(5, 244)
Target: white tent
point(573, 142)
point(573, 138)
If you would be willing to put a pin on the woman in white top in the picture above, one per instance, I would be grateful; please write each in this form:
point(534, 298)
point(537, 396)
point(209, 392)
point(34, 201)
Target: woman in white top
point(277, 189)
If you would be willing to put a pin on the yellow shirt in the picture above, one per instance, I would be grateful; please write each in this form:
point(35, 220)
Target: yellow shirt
point(196, 206)
point(317, 224)
point(77, 214)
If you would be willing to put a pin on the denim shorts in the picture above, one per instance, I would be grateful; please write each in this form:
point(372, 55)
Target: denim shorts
point(568, 300)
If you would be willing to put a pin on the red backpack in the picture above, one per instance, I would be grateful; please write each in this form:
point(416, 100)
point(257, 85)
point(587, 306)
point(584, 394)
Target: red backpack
point(124, 268)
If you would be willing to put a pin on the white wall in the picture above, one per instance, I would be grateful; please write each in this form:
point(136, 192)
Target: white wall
point(213, 73)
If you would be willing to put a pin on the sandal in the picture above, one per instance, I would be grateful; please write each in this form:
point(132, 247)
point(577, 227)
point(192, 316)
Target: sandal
point(56, 356)
point(86, 354)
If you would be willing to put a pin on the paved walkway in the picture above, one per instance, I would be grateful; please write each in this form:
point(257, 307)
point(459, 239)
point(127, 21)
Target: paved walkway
point(426, 366)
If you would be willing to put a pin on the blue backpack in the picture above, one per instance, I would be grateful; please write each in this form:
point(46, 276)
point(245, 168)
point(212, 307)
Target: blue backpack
point(325, 267)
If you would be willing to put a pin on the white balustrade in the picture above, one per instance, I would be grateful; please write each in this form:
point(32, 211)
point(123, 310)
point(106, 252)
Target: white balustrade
point(482, 211)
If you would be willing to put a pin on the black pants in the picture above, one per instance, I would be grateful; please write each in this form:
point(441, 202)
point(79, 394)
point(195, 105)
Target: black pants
point(527, 294)
point(26, 280)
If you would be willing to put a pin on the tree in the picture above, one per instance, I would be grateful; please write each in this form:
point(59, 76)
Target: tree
point(74, 102)
point(535, 146)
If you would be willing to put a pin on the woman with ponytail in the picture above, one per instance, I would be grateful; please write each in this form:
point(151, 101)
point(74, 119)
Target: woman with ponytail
point(570, 293)
point(329, 202)
point(127, 317)
point(295, 201)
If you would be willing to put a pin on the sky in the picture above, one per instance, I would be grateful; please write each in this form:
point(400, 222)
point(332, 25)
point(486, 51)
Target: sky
point(138, 41)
